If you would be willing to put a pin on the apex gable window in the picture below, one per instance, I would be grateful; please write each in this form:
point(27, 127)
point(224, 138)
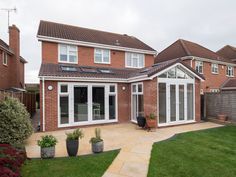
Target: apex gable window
point(68, 53)
point(134, 60)
point(4, 58)
point(214, 68)
point(199, 67)
point(230, 71)
point(101, 56)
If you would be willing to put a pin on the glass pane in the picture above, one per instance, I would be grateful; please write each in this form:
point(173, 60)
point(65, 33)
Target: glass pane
point(106, 56)
point(112, 88)
point(162, 103)
point(134, 88)
point(172, 103)
point(63, 49)
point(112, 107)
point(171, 73)
point(140, 88)
point(141, 61)
point(80, 104)
point(64, 89)
point(135, 62)
point(181, 102)
point(72, 56)
point(164, 75)
point(98, 57)
point(134, 106)
point(63, 57)
point(64, 111)
point(98, 103)
point(190, 101)
point(140, 105)
point(180, 74)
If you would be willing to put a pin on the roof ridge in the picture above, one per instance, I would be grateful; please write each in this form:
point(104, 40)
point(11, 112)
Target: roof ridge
point(184, 47)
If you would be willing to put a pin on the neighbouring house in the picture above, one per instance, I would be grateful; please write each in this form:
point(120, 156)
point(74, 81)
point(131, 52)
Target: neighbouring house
point(228, 52)
point(92, 77)
point(11, 63)
point(215, 68)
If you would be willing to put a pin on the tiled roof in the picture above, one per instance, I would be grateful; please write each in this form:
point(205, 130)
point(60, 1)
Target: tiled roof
point(183, 48)
point(229, 84)
point(56, 70)
point(227, 52)
point(62, 31)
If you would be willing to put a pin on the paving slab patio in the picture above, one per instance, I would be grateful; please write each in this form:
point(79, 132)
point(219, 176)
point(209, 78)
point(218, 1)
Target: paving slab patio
point(135, 145)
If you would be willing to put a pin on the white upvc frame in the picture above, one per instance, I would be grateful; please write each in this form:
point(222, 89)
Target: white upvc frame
point(214, 68)
point(230, 68)
point(138, 58)
point(199, 64)
point(90, 121)
point(176, 82)
point(102, 50)
point(4, 58)
point(68, 53)
point(135, 93)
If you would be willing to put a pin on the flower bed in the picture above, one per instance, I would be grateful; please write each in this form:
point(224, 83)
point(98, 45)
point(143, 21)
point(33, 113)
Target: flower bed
point(11, 160)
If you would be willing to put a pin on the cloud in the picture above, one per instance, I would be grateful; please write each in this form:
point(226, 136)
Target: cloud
point(157, 23)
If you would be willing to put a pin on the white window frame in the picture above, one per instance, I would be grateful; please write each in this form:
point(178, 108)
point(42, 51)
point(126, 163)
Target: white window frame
point(90, 121)
point(4, 58)
point(136, 92)
point(102, 52)
point(140, 56)
point(214, 68)
point(231, 70)
point(197, 65)
point(68, 49)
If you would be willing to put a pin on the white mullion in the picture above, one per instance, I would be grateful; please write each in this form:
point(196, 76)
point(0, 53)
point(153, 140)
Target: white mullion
point(106, 97)
point(168, 103)
point(71, 99)
point(185, 102)
point(177, 102)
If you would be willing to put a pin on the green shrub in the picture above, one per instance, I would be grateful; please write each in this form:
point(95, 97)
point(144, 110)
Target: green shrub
point(15, 124)
point(75, 135)
point(47, 141)
point(97, 137)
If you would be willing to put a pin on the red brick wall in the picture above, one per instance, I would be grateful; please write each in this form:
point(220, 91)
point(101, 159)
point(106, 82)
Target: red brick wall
point(197, 101)
point(86, 56)
point(212, 81)
point(5, 73)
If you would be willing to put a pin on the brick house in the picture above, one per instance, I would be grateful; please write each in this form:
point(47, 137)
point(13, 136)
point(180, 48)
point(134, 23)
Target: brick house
point(215, 68)
point(11, 63)
point(92, 77)
point(228, 52)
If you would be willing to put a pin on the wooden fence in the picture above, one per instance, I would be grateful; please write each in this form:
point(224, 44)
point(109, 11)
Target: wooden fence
point(221, 103)
point(28, 99)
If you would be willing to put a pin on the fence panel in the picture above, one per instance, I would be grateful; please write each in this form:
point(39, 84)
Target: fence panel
point(221, 103)
point(28, 99)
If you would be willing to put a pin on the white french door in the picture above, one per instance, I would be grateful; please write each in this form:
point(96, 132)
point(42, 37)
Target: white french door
point(176, 101)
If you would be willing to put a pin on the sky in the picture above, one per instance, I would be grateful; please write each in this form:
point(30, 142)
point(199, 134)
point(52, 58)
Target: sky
point(158, 23)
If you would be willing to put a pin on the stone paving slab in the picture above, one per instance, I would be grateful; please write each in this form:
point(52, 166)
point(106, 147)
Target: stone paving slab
point(135, 145)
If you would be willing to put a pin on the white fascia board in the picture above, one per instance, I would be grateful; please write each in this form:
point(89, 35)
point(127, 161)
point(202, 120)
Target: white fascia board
point(207, 60)
point(96, 45)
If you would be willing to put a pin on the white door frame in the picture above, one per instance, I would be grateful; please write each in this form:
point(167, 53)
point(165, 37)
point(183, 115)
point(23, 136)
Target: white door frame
point(177, 83)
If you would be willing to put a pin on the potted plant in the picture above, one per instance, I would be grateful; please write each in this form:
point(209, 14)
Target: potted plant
point(141, 121)
point(97, 142)
point(151, 121)
point(72, 141)
point(47, 145)
point(222, 117)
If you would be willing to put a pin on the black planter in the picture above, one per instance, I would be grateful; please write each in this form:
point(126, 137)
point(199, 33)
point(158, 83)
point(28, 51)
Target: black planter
point(72, 147)
point(141, 121)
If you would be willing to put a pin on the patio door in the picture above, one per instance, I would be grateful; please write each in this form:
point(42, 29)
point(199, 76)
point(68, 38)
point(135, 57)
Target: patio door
point(137, 105)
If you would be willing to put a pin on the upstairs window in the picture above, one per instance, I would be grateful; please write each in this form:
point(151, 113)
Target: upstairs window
point(134, 60)
point(68, 53)
point(199, 67)
point(230, 71)
point(4, 58)
point(102, 56)
point(214, 68)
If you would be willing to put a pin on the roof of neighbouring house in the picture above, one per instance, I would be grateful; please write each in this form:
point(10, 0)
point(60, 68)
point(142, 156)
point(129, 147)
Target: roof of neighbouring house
point(72, 71)
point(63, 31)
point(230, 84)
point(227, 52)
point(183, 48)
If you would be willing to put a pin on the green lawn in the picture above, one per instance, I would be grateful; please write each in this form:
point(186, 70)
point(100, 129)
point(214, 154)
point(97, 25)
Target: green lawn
point(207, 153)
point(81, 166)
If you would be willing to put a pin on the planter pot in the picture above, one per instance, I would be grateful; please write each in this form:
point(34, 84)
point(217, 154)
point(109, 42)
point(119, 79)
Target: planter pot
point(48, 152)
point(141, 121)
point(72, 147)
point(222, 117)
point(151, 123)
point(97, 147)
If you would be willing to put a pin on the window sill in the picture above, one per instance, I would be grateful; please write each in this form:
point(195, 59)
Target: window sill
point(6, 65)
point(214, 73)
point(229, 76)
point(101, 63)
point(135, 67)
point(64, 62)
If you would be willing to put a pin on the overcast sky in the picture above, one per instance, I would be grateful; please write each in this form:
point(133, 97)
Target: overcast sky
point(210, 23)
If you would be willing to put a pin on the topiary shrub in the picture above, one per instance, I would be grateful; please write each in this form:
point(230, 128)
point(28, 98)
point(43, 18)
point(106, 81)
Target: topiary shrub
point(15, 124)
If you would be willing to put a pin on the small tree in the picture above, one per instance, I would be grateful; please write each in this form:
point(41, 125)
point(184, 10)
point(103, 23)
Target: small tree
point(15, 124)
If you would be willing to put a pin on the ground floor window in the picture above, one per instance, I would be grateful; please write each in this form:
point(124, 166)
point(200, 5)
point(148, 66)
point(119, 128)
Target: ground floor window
point(137, 101)
point(83, 103)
